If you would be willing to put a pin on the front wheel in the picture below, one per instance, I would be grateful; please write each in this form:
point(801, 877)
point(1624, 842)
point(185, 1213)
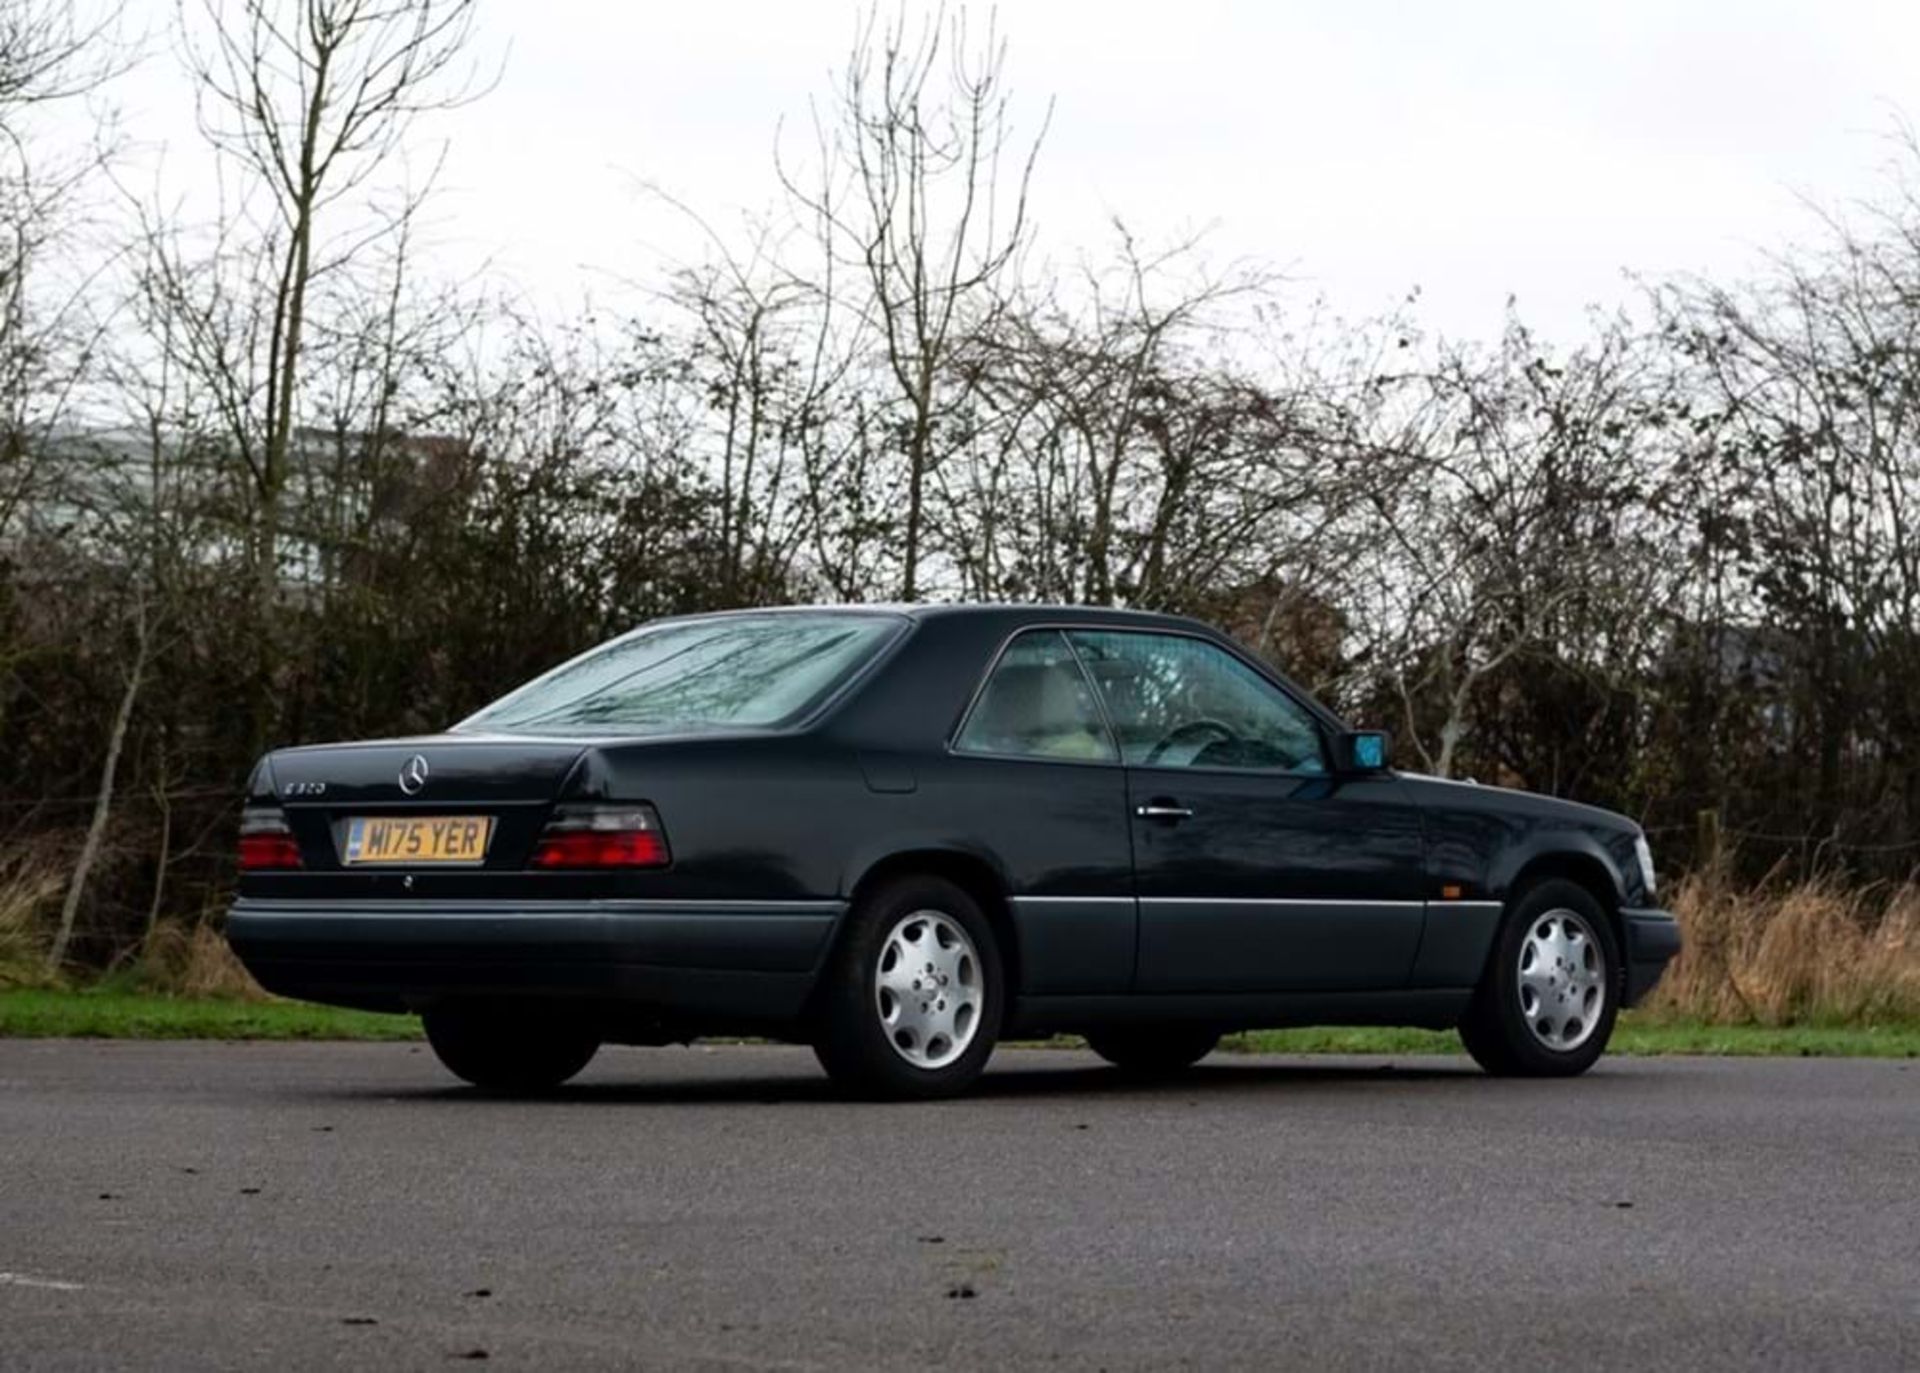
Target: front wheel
point(1153, 1051)
point(499, 1049)
point(911, 1003)
point(1547, 1002)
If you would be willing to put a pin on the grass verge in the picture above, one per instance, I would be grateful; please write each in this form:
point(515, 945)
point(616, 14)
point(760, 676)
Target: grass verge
point(118, 1014)
point(1632, 1036)
point(108, 1014)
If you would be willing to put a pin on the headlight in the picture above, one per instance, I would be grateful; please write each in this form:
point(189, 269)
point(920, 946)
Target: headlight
point(1645, 855)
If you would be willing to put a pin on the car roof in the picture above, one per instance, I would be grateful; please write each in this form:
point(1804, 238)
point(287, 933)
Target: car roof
point(1020, 610)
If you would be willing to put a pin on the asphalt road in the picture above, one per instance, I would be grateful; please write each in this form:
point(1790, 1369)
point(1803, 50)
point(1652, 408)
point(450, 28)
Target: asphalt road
point(294, 1206)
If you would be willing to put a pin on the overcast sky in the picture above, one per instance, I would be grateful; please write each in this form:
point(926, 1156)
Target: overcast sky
point(1472, 150)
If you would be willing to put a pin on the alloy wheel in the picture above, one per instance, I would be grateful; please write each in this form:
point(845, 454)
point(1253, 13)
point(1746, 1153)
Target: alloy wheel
point(1562, 983)
point(927, 989)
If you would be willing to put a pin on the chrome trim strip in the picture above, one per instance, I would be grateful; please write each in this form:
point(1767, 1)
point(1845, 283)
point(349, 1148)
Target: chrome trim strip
point(1437, 902)
point(1274, 901)
point(384, 907)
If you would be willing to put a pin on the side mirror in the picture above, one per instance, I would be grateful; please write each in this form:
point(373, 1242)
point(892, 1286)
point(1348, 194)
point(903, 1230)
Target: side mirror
point(1364, 750)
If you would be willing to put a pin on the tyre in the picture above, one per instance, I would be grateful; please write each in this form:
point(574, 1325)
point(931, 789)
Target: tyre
point(507, 1049)
point(911, 1002)
point(1154, 1051)
point(1546, 1004)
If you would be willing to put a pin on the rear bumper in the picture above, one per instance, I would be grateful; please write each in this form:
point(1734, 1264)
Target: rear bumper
point(744, 961)
point(1653, 938)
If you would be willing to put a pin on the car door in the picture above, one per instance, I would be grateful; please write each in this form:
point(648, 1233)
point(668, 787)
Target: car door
point(1039, 778)
point(1256, 867)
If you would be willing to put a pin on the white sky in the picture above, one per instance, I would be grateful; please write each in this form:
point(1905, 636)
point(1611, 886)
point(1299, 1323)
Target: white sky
point(1536, 147)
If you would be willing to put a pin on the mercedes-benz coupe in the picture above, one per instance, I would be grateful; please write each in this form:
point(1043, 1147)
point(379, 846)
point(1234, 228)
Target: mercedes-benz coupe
point(903, 834)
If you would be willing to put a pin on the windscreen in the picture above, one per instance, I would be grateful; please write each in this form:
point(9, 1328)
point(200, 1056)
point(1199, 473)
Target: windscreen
point(735, 670)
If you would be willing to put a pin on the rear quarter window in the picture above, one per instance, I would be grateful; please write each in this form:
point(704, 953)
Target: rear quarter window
point(1037, 703)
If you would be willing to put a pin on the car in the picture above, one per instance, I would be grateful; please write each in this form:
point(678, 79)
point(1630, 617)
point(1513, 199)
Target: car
point(902, 834)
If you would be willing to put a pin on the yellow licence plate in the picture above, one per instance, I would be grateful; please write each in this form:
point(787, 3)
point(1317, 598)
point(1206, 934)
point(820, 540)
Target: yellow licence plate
point(417, 839)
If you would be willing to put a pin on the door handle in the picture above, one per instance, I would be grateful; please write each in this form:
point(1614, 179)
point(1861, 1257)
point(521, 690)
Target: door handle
point(1163, 810)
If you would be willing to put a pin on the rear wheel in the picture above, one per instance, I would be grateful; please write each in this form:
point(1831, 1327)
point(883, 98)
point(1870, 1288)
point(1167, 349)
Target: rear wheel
point(501, 1049)
point(911, 1003)
point(1154, 1051)
point(1547, 1002)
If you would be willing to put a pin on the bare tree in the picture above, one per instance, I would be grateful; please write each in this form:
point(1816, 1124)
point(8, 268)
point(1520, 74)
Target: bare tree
point(50, 51)
point(1121, 448)
point(311, 98)
point(742, 386)
point(54, 50)
point(1510, 521)
point(915, 224)
point(96, 831)
point(1808, 382)
point(139, 502)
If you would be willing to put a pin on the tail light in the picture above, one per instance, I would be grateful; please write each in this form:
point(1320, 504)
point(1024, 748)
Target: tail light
point(265, 841)
point(602, 837)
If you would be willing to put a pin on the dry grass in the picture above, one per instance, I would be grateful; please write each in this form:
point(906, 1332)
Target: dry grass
point(178, 957)
point(191, 959)
point(1815, 952)
point(32, 878)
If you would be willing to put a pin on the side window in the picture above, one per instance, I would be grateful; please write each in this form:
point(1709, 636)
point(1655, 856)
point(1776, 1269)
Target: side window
point(1037, 705)
point(1181, 702)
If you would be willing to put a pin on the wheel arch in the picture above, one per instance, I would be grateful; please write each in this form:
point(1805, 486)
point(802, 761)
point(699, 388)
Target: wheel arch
point(1585, 867)
point(972, 872)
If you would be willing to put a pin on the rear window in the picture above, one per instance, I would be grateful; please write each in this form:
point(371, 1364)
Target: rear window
point(751, 671)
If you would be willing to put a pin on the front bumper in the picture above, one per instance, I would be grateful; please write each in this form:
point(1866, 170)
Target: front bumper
point(749, 961)
point(1653, 938)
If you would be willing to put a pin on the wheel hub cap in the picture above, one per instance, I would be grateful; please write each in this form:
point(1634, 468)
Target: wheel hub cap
point(1563, 980)
point(927, 989)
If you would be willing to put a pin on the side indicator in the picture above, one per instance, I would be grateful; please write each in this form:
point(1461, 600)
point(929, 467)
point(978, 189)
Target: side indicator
point(1450, 892)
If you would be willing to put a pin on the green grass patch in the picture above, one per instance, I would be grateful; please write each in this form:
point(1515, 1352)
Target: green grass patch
point(113, 1014)
point(1631, 1036)
point(120, 1013)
